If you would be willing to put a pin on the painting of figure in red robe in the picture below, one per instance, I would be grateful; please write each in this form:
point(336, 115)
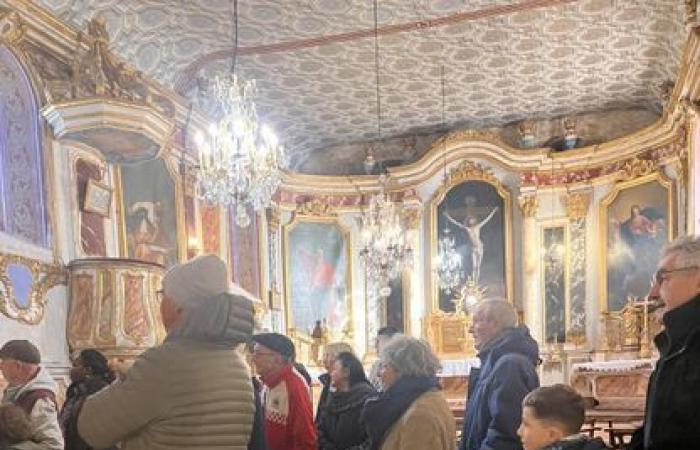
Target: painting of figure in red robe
point(317, 276)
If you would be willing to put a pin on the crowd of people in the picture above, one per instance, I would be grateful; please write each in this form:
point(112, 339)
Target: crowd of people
point(195, 390)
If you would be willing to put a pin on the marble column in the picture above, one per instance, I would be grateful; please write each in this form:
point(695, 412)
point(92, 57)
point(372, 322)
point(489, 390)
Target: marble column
point(530, 276)
point(576, 209)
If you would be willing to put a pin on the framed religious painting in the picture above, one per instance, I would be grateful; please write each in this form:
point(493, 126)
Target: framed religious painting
point(98, 198)
point(151, 216)
point(317, 275)
point(636, 221)
point(555, 281)
point(475, 209)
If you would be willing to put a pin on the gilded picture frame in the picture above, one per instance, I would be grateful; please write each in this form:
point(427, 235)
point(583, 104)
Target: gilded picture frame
point(469, 172)
point(310, 280)
point(637, 218)
point(98, 198)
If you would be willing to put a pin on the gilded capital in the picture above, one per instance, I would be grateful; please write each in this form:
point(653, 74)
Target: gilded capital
point(577, 205)
point(316, 207)
point(11, 27)
point(273, 219)
point(411, 218)
point(528, 205)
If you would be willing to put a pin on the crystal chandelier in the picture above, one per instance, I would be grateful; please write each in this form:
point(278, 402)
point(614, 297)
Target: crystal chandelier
point(385, 251)
point(240, 159)
point(449, 262)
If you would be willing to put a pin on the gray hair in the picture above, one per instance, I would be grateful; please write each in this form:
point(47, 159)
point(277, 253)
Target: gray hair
point(336, 348)
point(224, 320)
point(688, 249)
point(410, 356)
point(499, 311)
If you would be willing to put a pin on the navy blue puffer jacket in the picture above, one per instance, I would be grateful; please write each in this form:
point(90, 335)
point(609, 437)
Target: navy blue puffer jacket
point(496, 391)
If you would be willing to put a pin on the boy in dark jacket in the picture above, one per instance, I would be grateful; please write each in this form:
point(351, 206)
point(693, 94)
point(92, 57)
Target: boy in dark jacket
point(552, 419)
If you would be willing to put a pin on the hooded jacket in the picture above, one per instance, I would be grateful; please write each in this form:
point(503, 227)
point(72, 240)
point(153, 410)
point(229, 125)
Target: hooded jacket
point(496, 391)
point(192, 392)
point(44, 415)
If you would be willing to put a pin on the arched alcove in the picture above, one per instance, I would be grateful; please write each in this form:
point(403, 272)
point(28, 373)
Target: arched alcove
point(22, 191)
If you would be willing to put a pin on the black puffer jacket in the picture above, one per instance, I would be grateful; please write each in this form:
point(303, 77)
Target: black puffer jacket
point(672, 421)
point(338, 420)
point(579, 443)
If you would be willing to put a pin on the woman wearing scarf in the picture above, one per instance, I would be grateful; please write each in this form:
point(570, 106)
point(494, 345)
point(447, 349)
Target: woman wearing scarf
point(338, 418)
point(411, 413)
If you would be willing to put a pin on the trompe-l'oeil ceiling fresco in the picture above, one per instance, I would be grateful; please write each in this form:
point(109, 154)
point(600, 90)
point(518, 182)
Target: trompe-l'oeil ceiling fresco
point(505, 60)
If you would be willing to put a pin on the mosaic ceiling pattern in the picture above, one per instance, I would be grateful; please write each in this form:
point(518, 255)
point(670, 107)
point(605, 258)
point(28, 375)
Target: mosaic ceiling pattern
point(314, 59)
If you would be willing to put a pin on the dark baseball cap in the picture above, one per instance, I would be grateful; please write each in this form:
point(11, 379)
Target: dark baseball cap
point(20, 350)
point(276, 342)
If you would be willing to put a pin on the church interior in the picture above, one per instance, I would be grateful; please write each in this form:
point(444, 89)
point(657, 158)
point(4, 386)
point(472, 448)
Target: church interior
point(392, 163)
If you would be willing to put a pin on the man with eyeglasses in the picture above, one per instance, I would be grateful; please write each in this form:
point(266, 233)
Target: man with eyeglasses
point(289, 423)
point(672, 418)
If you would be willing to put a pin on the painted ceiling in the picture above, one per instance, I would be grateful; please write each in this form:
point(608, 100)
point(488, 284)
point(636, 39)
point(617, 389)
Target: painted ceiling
point(505, 60)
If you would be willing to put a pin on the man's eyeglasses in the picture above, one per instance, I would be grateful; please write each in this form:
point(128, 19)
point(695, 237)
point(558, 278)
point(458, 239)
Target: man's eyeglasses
point(661, 275)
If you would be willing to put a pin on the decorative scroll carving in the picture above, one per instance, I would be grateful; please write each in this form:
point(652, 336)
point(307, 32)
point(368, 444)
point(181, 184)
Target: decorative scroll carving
point(24, 283)
point(635, 168)
point(96, 72)
point(528, 205)
point(315, 207)
point(472, 171)
point(622, 168)
point(11, 27)
point(411, 218)
point(577, 205)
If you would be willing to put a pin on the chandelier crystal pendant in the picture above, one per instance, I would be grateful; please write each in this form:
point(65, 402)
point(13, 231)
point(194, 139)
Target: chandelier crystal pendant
point(449, 263)
point(385, 250)
point(240, 159)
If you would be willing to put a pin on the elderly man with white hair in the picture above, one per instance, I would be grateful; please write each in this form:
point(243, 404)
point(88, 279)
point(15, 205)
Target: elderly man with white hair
point(671, 418)
point(509, 357)
point(194, 390)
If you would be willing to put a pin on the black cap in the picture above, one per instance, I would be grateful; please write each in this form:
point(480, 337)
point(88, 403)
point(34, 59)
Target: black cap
point(20, 350)
point(276, 342)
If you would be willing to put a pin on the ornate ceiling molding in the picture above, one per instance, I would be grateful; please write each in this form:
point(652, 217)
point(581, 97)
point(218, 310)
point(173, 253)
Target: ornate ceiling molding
point(188, 76)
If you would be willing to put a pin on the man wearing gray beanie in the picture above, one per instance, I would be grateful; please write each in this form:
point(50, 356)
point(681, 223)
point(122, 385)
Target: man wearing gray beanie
point(194, 390)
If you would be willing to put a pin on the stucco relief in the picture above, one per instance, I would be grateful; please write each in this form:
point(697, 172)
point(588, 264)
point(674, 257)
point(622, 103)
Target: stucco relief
point(21, 184)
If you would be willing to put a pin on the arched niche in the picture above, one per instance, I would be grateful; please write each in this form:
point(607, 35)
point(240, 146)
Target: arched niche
point(22, 192)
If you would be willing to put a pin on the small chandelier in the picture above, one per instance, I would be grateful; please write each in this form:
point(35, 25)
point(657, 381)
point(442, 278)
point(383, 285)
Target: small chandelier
point(240, 159)
point(449, 263)
point(385, 250)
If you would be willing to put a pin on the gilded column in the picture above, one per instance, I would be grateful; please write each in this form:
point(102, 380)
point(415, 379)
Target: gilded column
point(530, 279)
point(576, 209)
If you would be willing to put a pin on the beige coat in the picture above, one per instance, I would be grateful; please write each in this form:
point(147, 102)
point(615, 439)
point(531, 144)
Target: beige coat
point(180, 395)
point(427, 424)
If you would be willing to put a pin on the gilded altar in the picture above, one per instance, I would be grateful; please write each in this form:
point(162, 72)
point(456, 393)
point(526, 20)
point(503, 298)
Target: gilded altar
point(448, 334)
